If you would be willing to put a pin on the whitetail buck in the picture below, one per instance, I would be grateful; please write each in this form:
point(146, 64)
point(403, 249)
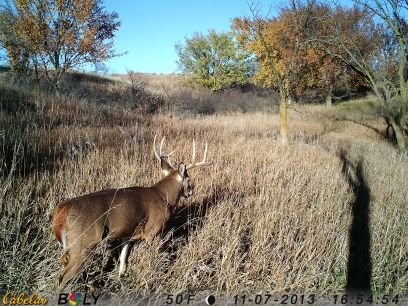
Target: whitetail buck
point(126, 214)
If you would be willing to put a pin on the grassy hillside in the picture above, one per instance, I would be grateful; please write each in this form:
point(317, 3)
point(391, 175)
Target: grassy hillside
point(263, 217)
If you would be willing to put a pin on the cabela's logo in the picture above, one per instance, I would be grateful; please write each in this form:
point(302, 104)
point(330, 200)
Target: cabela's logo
point(11, 298)
point(78, 298)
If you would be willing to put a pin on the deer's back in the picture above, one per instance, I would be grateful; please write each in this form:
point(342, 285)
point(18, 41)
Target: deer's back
point(116, 211)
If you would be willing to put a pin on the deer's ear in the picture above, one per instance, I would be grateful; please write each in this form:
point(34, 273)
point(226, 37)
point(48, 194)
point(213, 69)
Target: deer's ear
point(182, 169)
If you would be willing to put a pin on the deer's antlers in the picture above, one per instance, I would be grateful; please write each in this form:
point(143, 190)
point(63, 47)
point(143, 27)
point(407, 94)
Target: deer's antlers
point(201, 163)
point(161, 155)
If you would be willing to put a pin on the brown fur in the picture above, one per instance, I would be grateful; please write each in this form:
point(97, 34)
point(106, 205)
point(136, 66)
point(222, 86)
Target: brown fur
point(64, 259)
point(134, 212)
point(59, 220)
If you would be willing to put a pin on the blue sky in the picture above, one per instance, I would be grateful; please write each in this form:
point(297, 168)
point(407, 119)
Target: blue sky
point(150, 29)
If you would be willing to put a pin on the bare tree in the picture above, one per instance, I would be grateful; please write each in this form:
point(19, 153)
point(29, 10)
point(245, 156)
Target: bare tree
point(137, 86)
point(371, 38)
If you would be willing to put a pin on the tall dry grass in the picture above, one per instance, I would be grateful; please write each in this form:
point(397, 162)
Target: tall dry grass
point(263, 217)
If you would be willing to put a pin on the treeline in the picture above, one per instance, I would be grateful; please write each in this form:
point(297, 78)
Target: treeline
point(311, 50)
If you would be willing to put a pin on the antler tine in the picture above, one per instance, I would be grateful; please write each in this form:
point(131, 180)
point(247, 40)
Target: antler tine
point(154, 147)
point(164, 154)
point(205, 152)
point(160, 155)
point(201, 163)
point(194, 153)
point(161, 146)
point(170, 153)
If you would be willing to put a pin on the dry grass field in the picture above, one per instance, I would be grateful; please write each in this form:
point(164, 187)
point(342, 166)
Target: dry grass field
point(315, 216)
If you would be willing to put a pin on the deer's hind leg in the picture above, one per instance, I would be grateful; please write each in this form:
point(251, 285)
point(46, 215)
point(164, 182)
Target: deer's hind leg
point(76, 253)
point(64, 259)
point(76, 259)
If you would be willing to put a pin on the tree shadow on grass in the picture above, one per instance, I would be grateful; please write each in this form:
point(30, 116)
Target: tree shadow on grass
point(359, 259)
point(388, 134)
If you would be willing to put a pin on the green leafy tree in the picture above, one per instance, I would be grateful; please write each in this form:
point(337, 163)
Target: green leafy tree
point(214, 61)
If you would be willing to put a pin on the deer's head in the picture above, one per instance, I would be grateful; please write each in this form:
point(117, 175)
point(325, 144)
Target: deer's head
point(164, 158)
point(181, 172)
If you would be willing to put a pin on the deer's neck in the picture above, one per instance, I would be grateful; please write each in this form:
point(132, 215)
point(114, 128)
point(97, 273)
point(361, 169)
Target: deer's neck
point(169, 189)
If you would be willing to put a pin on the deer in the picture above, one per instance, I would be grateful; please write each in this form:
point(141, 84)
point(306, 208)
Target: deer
point(125, 214)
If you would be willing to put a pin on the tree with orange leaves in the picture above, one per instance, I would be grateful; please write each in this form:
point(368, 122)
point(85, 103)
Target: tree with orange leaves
point(278, 44)
point(62, 34)
point(326, 72)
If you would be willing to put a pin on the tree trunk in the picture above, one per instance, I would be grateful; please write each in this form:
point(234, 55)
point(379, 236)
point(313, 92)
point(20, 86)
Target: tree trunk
point(399, 134)
point(329, 102)
point(401, 71)
point(283, 115)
